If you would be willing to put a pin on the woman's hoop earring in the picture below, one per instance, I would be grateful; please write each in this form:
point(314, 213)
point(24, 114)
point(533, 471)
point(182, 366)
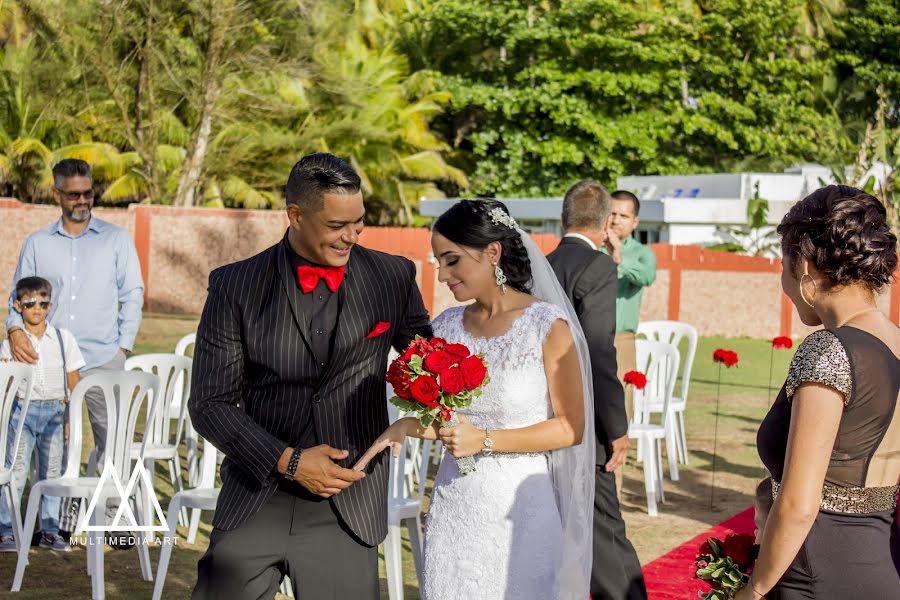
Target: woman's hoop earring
point(501, 278)
point(815, 287)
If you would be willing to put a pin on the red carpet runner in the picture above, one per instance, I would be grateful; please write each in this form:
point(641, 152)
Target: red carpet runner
point(671, 576)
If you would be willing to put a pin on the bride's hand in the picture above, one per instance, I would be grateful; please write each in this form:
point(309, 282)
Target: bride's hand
point(392, 438)
point(463, 440)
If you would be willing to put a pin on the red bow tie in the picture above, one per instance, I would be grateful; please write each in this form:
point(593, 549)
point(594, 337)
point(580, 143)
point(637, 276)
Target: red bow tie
point(309, 277)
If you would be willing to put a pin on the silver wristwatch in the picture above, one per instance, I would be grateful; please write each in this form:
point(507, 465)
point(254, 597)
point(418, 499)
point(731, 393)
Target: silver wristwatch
point(488, 443)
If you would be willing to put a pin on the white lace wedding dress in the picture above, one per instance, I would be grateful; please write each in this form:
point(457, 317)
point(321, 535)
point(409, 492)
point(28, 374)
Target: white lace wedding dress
point(496, 534)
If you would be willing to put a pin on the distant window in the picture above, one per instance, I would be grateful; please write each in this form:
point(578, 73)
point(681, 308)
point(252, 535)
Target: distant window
point(647, 236)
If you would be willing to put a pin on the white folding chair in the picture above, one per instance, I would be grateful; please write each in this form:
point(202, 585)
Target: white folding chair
point(674, 332)
point(160, 443)
point(659, 362)
point(203, 497)
point(13, 377)
point(125, 394)
point(191, 437)
point(404, 509)
point(406, 489)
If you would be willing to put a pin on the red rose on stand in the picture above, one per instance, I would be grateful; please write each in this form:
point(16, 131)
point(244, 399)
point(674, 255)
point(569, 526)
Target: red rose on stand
point(782, 341)
point(452, 381)
point(636, 378)
point(424, 390)
point(473, 371)
point(726, 357)
point(437, 361)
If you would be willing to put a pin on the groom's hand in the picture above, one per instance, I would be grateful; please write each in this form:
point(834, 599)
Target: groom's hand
point(318, 473)
point(619, 452)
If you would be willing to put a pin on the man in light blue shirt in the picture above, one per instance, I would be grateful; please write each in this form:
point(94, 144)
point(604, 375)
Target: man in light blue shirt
point(98, 291)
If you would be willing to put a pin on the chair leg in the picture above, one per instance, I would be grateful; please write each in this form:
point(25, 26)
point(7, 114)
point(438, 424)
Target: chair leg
point(143, 539)
point(438, 449)
point(31, 513)
point(393, 565)
point(414, 527)
point(672, 449)
point(98, 585)
point(660, 494)
point(650, 480)
point(165, 552)
point(682, 437)
point(16, 515)
point(191, 443)
point(178, 486)
point(195, 525)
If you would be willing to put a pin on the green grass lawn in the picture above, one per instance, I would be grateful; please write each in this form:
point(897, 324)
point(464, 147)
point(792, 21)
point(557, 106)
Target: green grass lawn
point(742, 405)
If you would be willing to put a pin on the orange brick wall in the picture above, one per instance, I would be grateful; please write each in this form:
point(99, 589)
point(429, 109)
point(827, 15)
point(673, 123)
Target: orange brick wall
point(718, 292)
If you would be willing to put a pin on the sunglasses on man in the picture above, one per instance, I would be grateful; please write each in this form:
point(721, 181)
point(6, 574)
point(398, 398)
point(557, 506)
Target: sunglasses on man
point(45, 304)
point(75, 195)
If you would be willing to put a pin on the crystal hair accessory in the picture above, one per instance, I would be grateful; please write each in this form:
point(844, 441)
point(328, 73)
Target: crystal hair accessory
point(499, 216)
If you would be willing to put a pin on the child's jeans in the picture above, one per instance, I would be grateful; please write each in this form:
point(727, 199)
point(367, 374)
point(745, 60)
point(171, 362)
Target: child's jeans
point(44, 428)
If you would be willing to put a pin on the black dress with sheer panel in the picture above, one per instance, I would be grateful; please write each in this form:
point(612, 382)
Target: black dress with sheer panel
point(853, 548)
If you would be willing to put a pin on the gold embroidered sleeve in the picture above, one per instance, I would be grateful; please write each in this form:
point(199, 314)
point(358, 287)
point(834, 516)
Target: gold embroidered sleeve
point(821, 358)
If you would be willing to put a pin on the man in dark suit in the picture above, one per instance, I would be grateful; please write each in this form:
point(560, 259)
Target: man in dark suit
point(288, 383)
point(589, 279)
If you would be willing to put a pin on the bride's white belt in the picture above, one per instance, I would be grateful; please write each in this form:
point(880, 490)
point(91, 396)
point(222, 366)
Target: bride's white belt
point(496, 454)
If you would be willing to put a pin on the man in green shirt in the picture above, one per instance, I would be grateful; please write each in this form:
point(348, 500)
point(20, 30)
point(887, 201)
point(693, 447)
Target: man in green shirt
point(636, 266)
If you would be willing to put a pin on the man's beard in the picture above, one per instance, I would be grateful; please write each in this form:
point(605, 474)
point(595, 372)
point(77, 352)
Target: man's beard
point(80, 215)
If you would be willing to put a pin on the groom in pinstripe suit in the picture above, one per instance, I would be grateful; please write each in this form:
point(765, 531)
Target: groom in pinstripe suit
point(289, 384)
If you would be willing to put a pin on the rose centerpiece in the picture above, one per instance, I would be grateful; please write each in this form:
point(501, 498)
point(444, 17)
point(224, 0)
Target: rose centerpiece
point(433, 378)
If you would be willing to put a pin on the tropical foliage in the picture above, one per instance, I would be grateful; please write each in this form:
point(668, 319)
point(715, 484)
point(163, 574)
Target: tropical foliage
point(210, 102)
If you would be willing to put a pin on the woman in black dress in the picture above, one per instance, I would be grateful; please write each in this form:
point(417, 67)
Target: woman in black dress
point(832, 439)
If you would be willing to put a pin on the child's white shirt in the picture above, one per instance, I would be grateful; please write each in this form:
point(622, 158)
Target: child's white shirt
point(48, 372)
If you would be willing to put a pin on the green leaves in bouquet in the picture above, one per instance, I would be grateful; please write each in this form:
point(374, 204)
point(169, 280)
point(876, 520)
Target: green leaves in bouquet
point(725, 575)
point(426, 415)
point(415, 365)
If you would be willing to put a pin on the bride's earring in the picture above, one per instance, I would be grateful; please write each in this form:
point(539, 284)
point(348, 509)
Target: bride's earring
point(815, 289)
point(501, 278)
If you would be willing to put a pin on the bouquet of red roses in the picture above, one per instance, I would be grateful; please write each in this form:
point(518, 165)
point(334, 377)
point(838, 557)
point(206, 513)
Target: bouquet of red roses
point(726, 565)
point(432, 378)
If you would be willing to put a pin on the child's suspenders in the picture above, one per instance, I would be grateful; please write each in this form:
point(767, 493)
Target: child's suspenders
point(62, 351)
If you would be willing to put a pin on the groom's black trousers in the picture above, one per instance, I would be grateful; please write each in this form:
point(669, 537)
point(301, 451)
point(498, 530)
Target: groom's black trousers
point(296, 534)
point(616, 573)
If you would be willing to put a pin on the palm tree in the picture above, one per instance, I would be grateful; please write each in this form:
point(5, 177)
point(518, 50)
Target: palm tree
point(817, 17)
point(379, 114)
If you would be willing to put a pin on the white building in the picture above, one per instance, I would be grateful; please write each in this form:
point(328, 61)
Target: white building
point(683, 209)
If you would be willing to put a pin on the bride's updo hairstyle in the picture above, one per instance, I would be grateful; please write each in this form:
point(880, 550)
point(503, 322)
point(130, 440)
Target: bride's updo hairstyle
point(468, 223)
point(843, 231)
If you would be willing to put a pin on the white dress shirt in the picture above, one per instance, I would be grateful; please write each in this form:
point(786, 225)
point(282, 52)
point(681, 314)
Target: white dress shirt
point(583, 238)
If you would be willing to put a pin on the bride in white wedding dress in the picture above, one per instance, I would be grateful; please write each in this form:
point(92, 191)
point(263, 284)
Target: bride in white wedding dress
point(518, 527)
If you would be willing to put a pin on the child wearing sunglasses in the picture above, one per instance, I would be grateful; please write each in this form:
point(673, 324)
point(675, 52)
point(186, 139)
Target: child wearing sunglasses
point(55, 373)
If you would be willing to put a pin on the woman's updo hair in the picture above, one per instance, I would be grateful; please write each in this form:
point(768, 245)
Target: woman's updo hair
point(843, 231)
point(468, 223)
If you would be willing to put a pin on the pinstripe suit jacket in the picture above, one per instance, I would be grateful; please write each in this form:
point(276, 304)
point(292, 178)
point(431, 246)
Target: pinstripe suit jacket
point(256, 382)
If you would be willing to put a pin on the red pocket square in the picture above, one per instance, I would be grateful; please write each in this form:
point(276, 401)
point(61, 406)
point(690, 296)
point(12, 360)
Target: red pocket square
point(380, 327)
